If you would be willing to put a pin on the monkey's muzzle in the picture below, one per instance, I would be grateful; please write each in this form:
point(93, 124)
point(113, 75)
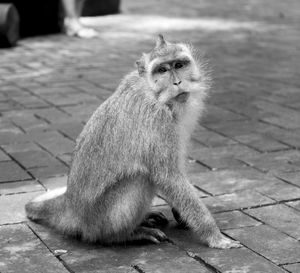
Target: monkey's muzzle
point(182, 97)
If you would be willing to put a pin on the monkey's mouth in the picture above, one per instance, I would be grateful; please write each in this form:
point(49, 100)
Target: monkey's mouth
point(182, 97)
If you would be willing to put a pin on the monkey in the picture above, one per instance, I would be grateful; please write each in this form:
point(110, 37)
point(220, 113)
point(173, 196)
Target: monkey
point(133, 147)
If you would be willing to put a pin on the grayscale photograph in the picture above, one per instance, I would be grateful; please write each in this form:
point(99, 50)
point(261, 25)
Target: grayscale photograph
point(156, 136)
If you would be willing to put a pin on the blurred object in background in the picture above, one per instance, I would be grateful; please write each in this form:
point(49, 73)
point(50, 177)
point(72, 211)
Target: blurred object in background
point(9, 25)
point(100, 7)
point(38, 17)
point(72, 10)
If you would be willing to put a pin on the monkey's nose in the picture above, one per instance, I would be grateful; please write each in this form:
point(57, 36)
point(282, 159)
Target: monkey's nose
point(177, 83)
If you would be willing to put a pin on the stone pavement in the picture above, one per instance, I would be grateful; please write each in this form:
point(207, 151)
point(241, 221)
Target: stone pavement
point(245, 157)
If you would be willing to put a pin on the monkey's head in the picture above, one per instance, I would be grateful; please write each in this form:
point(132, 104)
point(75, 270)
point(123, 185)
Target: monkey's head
point(173, 72)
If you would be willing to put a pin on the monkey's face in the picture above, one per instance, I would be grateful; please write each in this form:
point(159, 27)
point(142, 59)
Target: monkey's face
point(173, 78)
point(172, 72)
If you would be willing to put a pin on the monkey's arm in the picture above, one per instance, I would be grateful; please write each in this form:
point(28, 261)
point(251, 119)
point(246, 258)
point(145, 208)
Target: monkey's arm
point(182, 195)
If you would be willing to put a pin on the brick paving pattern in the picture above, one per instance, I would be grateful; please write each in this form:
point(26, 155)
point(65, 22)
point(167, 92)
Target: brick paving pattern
point(244, 158)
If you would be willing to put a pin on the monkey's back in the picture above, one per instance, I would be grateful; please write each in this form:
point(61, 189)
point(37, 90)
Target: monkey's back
point(114, 141)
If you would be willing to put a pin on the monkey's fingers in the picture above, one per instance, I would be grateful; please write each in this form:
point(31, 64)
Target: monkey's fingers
point(155, 219)
point(151, 234)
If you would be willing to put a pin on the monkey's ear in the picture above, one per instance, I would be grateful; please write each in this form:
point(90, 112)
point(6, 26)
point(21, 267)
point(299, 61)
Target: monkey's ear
point(160, 42)
point(141, 65)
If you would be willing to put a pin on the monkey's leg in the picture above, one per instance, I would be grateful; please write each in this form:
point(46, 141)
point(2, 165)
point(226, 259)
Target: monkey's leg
point(181, 195)
point(180, 221)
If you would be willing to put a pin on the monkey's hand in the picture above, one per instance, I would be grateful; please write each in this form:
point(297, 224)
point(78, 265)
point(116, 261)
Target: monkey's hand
point(218, 240)
point(155, 220)
point(150, 234)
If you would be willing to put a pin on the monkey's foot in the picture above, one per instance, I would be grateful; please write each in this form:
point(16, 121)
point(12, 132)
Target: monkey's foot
point(181, 223)
point(155, 219)
point(222, 242)
point(150, 234)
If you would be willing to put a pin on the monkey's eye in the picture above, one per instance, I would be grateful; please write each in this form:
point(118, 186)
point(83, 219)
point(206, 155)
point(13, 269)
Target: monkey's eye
point(178, 65)
point(162, 70)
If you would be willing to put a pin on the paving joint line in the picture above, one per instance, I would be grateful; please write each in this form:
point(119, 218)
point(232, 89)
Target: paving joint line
point(136, 267)
point(57, 257)
point(54, 156)
point(257, 253)
point(267, 224)
point(202, 261)
point(19, 164)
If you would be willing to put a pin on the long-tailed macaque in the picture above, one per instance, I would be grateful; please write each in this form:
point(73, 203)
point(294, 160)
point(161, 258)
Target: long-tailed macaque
point(132, 147)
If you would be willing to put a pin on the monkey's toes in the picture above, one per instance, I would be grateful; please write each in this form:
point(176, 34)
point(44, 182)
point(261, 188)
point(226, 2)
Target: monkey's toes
point(155, 219)
point(181, 223)
point(224, 243)
point(150, 234)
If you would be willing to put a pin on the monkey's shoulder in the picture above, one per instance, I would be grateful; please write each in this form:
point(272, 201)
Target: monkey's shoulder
point(131, 82)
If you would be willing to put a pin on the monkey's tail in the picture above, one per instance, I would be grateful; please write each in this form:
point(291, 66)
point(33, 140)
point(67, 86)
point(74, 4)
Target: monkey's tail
point(47, 207)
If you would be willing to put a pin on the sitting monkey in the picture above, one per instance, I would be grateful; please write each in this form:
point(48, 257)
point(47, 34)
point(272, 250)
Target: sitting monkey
point(132, 147)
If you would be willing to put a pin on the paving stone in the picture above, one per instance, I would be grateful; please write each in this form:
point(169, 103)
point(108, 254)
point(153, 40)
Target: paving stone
point(20, 187)
point(29, 101)
point(290, 121)
point(57, 169)
point(12, 135)
point(222, 157)
point(22, 252)
point(216, 114)
point(229, 260)
point(12, 207)
point(270, 243)
point(293, 268)
point(53, 90)
point(214, 204)
point(243, 199)
point(281, 217)
point(21, 147)
point(294, 204)
point(237, 128)
point(51, 115)
point(71, 129)
point(54, 142)
point(66, 158)
point(168, 258)
point(283, 161)
point(10, 171)
point(210, 138)
point(279, 191)
point(194, 167)
point(228, 181)
point(293, 178)
point(54, 182)
point(4, 157)
point(83, 112)
point(285, 136)
point(234, 219)
point(28, 122)
point(61, 99)
point(261, 143)
point(35, 158)
point(81, 257)
point(9, 105)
